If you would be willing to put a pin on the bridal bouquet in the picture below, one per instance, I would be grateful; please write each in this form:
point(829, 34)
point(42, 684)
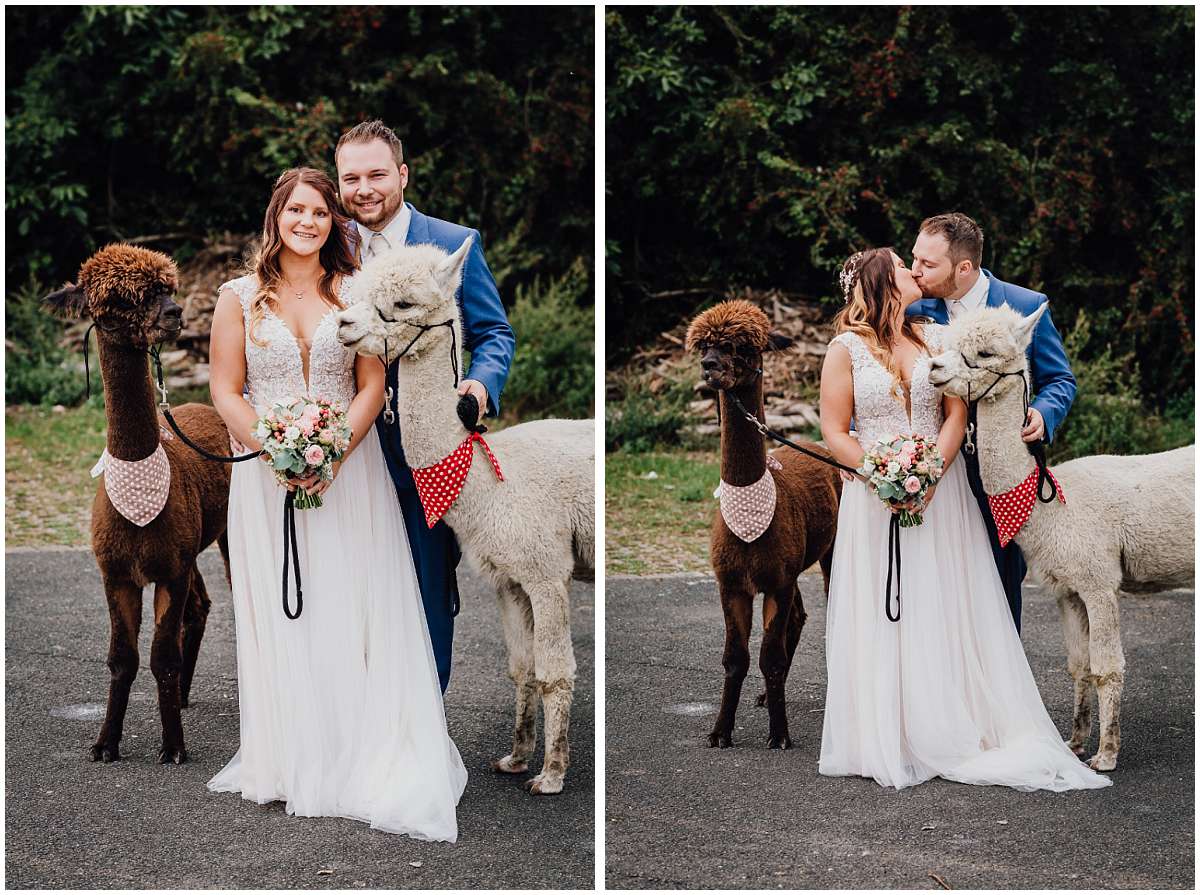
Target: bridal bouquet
point(901, 470)
point(303, 437)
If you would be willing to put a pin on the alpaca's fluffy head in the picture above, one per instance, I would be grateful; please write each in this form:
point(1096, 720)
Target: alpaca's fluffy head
point(730, 339)
point(411, 286)
point(981, 346)
point(128, 291)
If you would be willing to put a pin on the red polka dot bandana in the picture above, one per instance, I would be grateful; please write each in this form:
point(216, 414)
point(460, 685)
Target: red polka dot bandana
point(439, 485)
point(749, 509)
point(1011, 509)
point(137, 489)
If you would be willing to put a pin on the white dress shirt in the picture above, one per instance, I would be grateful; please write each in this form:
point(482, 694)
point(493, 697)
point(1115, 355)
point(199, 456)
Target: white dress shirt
point(376, 242)
point(975, 298)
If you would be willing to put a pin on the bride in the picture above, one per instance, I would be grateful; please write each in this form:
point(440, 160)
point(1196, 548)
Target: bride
point(340, 710)
point(946, 691)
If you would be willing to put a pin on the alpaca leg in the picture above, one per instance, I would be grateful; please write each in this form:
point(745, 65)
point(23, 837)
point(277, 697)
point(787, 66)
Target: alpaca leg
point(1108, 672)
point(516, 615)
point(125, 620)
point(195, 618)
point(554, 670)
point(773, 662)
point(166, 661)
point(1075, 632)
point(791, 638)
point(738, 605)
point(223, 546)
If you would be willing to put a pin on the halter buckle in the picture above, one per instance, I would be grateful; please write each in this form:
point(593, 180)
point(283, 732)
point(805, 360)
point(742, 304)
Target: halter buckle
point(969, 447)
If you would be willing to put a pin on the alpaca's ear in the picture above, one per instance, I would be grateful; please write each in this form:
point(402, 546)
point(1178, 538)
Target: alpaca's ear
point(777, 342)
point(69, 301)
point(1025, 330)
point(449, 273)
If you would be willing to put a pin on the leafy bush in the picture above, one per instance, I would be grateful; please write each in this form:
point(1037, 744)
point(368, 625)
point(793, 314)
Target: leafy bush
point(174, 121)
point(760, 145)
point(554, 368)
point(37, 368)
point(1108, 416)
point(642, 419)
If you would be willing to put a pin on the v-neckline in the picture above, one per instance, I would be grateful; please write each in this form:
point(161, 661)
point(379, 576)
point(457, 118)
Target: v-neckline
point(907, 391)
point(300, 353)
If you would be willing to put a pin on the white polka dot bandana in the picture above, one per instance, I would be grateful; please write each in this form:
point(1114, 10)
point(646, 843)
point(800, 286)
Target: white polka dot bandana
point(439, 485)
point(1011, 509)
point(138, 489)
point(749, 509)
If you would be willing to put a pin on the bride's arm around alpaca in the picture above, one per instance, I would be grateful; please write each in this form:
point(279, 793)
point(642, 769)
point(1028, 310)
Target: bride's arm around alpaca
point(837, 406)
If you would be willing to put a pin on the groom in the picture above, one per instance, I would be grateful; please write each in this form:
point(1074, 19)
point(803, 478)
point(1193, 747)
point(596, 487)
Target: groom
point(946, 264)
point(371, 180)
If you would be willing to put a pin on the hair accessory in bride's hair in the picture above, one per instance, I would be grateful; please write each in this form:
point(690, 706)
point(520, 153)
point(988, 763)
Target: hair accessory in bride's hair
point(849, 275)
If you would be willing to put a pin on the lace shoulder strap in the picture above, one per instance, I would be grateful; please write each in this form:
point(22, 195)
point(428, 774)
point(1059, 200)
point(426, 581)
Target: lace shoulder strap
point(243, 287)
point(852, 343)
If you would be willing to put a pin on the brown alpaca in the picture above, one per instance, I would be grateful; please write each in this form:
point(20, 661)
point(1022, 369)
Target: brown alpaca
point(127, 292)
point(730, 339)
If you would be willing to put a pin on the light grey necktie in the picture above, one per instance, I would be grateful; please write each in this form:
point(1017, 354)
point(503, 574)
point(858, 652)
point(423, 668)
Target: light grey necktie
point(954, 308)
point(378, 245)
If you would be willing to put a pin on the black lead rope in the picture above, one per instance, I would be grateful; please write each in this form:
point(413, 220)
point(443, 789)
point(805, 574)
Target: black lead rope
point(775, 436)
point(893, 559)
point(1036, 448)
point(164, 408)
point(290, 546)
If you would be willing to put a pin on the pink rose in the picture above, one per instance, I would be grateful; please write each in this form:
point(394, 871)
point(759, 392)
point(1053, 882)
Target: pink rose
point(912, 484)
point(313, 455)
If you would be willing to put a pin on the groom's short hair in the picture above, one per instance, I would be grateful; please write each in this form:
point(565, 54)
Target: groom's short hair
point(366, 131)
point(963, 234)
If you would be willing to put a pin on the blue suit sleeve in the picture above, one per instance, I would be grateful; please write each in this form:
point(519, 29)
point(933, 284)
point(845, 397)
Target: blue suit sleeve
point(1053, 384)
point(488, 336)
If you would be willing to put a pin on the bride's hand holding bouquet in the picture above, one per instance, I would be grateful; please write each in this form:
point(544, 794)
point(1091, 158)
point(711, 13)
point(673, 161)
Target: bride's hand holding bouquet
point(903, 472)
point(304, 442)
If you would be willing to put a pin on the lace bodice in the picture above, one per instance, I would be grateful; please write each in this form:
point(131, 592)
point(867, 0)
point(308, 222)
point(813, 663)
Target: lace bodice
point(878, 412)
point(275, 371)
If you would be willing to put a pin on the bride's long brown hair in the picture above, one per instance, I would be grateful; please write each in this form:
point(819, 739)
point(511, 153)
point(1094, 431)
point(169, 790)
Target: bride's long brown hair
point(872, 305)
point(335, 255)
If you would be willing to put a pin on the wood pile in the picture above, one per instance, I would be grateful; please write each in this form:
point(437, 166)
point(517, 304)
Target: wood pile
point(791, 377)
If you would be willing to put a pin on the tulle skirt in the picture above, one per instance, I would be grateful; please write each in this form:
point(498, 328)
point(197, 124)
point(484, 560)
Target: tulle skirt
point(946, 691)
point(340, 710)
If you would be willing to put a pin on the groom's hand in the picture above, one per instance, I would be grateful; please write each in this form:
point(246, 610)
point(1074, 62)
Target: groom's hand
point(476, 388)
point(1035, 426)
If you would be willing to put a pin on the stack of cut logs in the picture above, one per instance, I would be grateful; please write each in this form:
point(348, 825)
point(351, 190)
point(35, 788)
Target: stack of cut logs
point(791, 377)
point(185, 362)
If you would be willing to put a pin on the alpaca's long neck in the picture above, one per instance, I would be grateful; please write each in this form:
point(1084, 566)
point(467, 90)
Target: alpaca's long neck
point(427, 402)
point(128, 401)
point(743, 454)
point(1004, 461)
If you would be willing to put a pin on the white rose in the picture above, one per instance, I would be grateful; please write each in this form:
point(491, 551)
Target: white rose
point(893, 467)
point(326, 437)
point(291, 433)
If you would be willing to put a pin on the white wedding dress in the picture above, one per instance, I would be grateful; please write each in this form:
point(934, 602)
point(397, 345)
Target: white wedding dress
point(341, 712)
point(946, 691)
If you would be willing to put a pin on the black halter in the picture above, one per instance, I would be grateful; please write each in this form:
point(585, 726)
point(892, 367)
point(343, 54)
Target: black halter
point(1036, 448)
point(389, 415)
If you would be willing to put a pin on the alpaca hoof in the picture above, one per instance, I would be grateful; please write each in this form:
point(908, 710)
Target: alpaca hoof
point(1080, 749)
point(167, 755)
point(510, 765)
point(106, 754)
point(761, 699)
point(779, 742)
point(723, 740)
point(544, 785)
point(1102, 762)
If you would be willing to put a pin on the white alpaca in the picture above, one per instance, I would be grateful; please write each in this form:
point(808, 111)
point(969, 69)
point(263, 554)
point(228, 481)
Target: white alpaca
point(528, 532)
point(1127, 523)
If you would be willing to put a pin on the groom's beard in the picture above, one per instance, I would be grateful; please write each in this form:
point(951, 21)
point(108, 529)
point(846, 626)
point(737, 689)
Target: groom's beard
point(943, 289)
point(385, 211)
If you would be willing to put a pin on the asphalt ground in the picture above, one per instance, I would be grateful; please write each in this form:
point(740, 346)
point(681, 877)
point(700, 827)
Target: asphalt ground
point(680, 815)
point(137, 824)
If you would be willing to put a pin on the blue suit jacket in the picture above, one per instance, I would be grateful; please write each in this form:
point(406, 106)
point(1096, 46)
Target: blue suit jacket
point(486, 332)
point(1053, 385)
